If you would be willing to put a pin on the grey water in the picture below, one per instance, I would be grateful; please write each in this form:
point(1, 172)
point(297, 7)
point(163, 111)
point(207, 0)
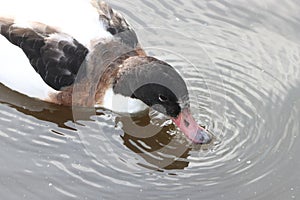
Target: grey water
point(240, 60)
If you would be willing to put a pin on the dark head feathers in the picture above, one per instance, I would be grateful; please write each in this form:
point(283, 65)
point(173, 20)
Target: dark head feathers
point(154, 82)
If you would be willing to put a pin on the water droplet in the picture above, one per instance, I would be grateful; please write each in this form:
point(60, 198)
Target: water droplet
point(50, 184)
point(249, 162)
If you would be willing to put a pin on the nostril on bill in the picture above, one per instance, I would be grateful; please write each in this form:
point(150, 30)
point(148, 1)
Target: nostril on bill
point(186, 123)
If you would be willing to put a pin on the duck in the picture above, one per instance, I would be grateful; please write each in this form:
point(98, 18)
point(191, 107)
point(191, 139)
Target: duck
point(85, 53)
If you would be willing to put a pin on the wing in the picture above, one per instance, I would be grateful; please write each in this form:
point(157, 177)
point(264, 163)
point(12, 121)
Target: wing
point(116, 24)
point(56, 56)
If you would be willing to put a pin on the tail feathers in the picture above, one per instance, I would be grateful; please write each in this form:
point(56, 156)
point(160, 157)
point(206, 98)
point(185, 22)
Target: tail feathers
point(115, 23)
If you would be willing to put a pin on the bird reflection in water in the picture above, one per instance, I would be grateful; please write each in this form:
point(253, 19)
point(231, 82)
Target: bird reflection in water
point(161, 150)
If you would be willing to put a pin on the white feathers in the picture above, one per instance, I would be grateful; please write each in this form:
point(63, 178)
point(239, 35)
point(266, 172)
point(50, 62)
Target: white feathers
point(61, 37)
point(121, 104)
point(17, 73)
point(78, 18)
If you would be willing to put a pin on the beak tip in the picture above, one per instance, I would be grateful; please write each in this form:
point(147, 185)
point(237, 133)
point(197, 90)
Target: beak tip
point(202, 137)
point(187, 124)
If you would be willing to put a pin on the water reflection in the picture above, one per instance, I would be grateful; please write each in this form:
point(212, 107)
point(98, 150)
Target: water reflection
point(150, 148)
point(40, 110)
point(257, 55)
point(147, 146)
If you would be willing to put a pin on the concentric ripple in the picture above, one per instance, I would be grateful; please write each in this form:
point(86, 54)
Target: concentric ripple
point(240, 61)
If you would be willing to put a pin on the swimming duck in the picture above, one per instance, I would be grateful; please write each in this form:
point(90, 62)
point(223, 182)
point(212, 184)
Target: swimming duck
point(88, 56)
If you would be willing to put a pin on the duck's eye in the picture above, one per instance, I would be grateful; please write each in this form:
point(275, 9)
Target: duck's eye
point(162, 98)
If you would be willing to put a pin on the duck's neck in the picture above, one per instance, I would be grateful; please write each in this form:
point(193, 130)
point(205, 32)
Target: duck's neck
point(96, 76)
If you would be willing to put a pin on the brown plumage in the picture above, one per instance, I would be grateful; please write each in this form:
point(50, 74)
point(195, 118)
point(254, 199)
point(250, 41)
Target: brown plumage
point(111, 71)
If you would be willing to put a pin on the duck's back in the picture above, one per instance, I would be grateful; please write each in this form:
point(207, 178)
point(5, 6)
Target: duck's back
point(82, 20)
point(79, 18)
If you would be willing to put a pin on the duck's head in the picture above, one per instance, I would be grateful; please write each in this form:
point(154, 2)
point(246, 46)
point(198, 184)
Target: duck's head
point(159, 86)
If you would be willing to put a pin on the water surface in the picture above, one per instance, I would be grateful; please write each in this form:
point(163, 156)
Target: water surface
point(241, 63)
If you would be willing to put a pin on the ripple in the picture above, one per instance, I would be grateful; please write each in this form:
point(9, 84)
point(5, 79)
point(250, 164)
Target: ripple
point(241, 65)
point(234, 92)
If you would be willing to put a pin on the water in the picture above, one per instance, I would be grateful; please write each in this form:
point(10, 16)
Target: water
point(241, 63)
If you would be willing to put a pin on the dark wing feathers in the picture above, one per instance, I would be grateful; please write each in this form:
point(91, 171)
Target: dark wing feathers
point(116, 24)
point(56, 56)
